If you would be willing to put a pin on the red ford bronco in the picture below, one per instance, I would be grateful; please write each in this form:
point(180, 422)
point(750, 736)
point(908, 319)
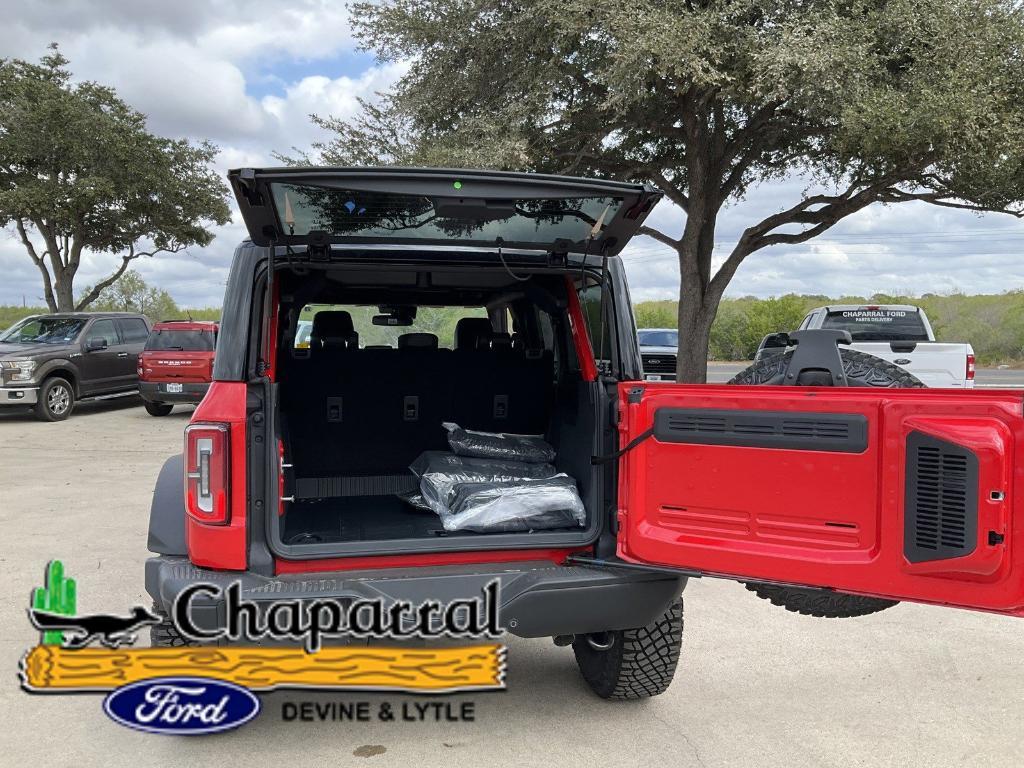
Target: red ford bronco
point(840, 496)
point(177, 364)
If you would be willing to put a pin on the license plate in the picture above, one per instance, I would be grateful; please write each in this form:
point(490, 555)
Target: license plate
point(172, 387)
point(652, 377)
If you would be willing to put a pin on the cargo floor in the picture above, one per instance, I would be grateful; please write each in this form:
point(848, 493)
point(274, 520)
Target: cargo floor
point(359, 518)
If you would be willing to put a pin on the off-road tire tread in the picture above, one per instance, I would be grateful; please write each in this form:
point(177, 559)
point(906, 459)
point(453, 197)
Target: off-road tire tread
point(821, 603)
point(640, 663)
point(166, 635)
point(861, 369)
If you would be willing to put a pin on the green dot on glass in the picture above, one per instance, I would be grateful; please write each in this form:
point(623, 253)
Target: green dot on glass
point(457, 185)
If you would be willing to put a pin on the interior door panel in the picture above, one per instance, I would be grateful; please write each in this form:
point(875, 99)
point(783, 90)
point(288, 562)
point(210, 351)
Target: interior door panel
point(901, 493)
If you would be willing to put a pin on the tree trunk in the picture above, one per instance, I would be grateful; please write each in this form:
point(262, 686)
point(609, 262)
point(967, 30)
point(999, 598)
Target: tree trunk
point(65, 292)
point(696, 316)
point(696, 308)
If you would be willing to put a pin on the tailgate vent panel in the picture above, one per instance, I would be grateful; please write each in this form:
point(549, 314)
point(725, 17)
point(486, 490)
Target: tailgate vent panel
point(836, 432)
point(941, 519)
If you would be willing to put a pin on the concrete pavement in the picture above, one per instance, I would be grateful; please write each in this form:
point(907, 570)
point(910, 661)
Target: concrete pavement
point(757, 686)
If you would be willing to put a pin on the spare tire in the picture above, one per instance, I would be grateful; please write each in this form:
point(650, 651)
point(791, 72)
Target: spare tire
point(862, 370)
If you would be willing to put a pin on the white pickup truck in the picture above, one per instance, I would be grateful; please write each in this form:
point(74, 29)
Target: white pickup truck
point(899, 333)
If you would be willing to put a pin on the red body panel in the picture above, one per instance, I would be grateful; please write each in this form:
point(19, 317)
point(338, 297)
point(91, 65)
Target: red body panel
point(580, 337)
point(223, 546)
point(416, 561)
point(823, 518)
point(176, 365)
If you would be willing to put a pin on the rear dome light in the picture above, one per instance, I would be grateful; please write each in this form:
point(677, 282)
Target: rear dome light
point(207, 494)
point(970, 367)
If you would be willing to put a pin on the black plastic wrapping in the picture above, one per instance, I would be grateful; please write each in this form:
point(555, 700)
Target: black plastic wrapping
point(532, 449)
point(440, 472)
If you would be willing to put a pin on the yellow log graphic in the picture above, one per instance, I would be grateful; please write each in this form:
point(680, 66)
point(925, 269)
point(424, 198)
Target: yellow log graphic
point(51, 668)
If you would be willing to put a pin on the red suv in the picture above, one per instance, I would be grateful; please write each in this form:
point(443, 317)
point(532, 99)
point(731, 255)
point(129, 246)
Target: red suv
point(497, 302)
point(177, 364)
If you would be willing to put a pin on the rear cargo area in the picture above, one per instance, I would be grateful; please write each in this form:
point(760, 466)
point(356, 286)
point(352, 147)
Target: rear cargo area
point(353, 417)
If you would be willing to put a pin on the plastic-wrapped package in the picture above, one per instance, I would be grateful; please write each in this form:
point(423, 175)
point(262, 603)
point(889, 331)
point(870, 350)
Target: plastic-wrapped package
point(499, 445)
point(440, 472)
point(414, 499)
point(515, 505)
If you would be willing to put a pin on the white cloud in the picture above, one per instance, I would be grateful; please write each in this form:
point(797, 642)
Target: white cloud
point(184, 65)
point(200, 69)
point(910, 248)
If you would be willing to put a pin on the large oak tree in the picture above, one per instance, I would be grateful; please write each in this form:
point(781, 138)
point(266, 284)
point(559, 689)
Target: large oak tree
point(873, 101)
point(79, 173)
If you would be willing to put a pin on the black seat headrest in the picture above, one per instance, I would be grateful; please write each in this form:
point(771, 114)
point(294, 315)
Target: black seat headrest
point(473, 333)
point(417, 341)
point(333, 328)
point(501, 341)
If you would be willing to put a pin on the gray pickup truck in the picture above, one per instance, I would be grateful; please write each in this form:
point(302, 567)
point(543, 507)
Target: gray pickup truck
point(52, 361)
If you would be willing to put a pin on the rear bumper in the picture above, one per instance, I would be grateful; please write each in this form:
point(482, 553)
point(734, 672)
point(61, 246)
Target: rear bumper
point(538, 599)
point(19, 395)
point(155, 392)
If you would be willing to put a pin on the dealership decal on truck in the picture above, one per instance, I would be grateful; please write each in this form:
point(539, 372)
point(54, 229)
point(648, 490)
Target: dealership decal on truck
point(196, 689)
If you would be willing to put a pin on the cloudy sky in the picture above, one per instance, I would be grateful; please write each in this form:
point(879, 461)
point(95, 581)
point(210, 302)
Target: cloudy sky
point(247, 75)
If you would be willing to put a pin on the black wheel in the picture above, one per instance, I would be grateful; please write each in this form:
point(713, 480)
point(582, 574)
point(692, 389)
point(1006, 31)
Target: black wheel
point(56, 400)
point(158, 409)
point(862, 370)
point(822, 603)
point(633, 663)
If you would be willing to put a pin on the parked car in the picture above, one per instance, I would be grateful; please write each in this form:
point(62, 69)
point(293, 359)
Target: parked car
point(658, 350)
point(899, 333)
point(53, 361)
point(177, 364)
point(295, 481)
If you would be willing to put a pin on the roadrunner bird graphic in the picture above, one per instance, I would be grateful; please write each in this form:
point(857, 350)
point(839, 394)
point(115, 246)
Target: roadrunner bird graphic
point(111, 631)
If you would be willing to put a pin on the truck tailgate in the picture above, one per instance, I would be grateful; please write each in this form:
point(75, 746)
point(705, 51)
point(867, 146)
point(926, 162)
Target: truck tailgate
point(937, 364)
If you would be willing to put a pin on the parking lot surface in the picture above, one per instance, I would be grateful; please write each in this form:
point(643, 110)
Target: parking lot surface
point(757, 686)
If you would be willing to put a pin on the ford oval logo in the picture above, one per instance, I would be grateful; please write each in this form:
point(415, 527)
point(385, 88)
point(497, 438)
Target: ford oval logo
point(182, 706)
point(902, 361)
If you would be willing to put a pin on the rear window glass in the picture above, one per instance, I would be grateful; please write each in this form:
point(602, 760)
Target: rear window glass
point(439, 321)
point(878, 324)
point(181, 340)
point(362, 214)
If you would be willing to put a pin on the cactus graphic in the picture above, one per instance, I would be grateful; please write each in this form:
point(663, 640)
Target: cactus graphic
point(57, 596)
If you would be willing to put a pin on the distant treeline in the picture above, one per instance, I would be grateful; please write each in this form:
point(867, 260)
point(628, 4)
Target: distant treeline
point(993, 324)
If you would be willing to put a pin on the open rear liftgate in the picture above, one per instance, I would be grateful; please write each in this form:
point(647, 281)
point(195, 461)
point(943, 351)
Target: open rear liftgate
point(907, 494)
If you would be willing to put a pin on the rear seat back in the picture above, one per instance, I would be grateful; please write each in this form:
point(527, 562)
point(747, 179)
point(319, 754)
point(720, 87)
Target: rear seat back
point(372, 411)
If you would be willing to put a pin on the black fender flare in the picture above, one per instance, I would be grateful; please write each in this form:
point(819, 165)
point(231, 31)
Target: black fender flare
point(167, 511)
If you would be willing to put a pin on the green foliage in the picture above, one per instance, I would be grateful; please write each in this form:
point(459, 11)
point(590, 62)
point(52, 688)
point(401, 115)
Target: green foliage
point(130, 293)
point(440, 321)
point(874, 101)
point(58, 595)
point(992, 323)
point(79, 172)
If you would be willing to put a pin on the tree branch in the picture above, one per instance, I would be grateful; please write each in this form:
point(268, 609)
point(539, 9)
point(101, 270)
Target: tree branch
point(51, 301)
point(661, 237)
point(672, 192)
